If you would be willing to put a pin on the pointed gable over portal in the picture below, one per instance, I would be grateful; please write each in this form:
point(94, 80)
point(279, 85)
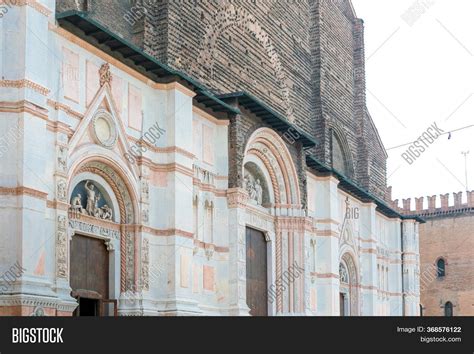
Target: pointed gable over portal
point(102, 130)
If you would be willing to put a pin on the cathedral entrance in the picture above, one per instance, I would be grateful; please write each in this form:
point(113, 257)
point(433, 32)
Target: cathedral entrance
point(90, 276)
point(257, 288)
point(343, 305)
point(348, 292)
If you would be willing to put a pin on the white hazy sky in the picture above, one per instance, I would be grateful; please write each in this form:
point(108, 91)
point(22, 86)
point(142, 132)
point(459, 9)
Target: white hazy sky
point(420, 70)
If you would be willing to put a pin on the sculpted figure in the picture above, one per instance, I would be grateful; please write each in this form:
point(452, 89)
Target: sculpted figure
point(76, 205)
point(258, 192)
point(106, 213)
point(91, 198)
point(97, 210)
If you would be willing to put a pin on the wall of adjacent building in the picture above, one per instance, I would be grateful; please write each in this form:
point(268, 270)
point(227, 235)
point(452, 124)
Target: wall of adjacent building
point(450, 238)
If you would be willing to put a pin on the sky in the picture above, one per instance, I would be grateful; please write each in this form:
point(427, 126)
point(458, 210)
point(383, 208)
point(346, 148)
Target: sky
point(420, 72)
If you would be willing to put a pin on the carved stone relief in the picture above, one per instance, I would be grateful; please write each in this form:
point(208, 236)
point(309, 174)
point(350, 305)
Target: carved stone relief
point(130, 265)
point(145, 270)
point(61, 249)
point(93, 199)
point(61, 190)
point(62, 159)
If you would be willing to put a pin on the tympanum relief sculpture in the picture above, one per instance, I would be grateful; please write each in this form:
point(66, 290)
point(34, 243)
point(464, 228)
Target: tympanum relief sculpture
point(93, 200)
point(254, 189)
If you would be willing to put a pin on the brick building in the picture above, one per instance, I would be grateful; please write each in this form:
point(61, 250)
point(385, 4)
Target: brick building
point(447, 253)
point(196, 158)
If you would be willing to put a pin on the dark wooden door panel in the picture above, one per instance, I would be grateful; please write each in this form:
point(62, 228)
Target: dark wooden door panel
point(98, 267)
point(89, 266)
point(257, 298)
point(341, 304)
point(79, 263)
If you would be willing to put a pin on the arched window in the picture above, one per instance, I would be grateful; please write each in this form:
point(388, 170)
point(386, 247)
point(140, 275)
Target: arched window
point(441, 267)
point(448, 309)
point(339, 161)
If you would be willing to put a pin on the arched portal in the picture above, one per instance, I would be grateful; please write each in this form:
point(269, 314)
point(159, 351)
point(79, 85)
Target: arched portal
point(268, 161)
point(348, 286)
point(273, 217)
point(103, 244)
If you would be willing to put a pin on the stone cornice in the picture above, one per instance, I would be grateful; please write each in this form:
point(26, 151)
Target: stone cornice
point(24, 107)
point(25, 83)
point(24, 191)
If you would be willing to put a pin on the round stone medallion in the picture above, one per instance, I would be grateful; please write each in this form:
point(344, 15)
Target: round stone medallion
point(104, 129)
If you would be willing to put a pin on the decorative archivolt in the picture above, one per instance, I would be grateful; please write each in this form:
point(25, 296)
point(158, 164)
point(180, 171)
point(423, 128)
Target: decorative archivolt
point(232, 16)
point(268, 151)
point(127, 200)
point(119, 187)
point(349, 276)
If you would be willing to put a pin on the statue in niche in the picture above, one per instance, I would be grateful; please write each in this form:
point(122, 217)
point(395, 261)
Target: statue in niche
point(91, 198)
point(97, 210)
point(254, 189)
point(93, 201)
point(249, 186)
point(107, 213)
point(258, 192)
point(76, 205)
point(343, 276)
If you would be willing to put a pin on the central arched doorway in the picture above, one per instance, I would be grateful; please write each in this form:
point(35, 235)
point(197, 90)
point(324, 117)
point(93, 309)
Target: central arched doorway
point(89, 275)
point(272, 228)
point(102, 245)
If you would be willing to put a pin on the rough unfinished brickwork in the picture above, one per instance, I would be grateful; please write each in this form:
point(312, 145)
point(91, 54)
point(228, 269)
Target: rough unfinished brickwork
point(305, 59)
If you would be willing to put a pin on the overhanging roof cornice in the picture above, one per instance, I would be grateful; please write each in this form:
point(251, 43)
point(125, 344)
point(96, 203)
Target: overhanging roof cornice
point(353, 189)
point(269, 116)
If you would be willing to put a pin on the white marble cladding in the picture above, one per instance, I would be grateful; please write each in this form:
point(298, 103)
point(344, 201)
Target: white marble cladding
point(375, 243)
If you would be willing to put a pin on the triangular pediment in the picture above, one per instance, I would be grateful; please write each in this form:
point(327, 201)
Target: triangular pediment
point(103, 128)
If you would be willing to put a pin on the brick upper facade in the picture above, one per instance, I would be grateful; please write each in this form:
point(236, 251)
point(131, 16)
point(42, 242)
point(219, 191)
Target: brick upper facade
point(305, 59)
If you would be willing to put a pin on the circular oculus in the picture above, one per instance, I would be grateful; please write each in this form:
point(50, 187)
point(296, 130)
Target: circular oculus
point(104, 129)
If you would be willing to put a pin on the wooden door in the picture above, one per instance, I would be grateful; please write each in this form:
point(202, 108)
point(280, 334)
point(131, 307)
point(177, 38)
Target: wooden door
point(89, 269)
point(257, 287)
point(342, 304)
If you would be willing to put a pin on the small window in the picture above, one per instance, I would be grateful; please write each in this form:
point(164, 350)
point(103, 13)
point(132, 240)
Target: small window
point(448, 309)
point(441, 266)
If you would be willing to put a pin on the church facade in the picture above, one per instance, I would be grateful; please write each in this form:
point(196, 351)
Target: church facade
point(194, 158)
